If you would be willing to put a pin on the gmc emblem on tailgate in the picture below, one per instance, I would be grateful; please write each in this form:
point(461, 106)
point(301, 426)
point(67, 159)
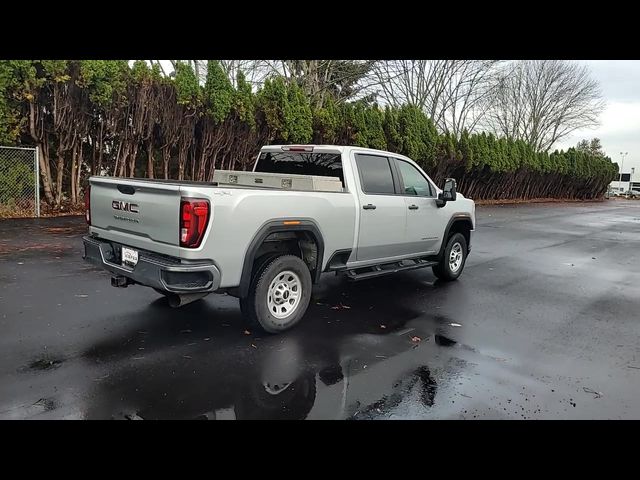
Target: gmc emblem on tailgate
point(124, 206)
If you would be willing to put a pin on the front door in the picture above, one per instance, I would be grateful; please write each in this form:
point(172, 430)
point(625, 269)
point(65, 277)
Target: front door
point(423, 227)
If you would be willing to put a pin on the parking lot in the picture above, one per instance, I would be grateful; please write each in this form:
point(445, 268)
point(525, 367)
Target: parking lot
point(544, 323)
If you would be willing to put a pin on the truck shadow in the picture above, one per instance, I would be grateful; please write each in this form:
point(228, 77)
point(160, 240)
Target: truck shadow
point(205, 365)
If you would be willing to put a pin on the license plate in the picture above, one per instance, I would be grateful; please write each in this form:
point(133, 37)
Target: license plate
point(129, 257)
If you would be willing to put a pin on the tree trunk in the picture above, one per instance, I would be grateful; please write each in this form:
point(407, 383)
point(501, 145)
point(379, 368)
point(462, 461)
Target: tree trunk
point(122, 162)
point(182, 160)
point(100, 145)
point(166, 155)
point(79, 171)
point(193, 164)
point(203, 164)
point(116, 164)
point(45, 173)
point(93, 156)
point(212, 166)
point(74, 196)
point(150, 159)
point(59, 175)
point(132, 162)
point(43, 146)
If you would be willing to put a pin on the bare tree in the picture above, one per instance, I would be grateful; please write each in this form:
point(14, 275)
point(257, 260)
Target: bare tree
point(413, 82)
point(255, 71)
point(452, 92)
point(342, 80)
point(198, 66)
point(464, 102)
point(543, 101)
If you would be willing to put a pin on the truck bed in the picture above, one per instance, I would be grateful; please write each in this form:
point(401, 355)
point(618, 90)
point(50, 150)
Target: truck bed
point(145, 214)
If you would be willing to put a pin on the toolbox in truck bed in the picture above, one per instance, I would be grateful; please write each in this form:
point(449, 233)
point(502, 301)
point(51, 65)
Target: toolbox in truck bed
point(278, 180)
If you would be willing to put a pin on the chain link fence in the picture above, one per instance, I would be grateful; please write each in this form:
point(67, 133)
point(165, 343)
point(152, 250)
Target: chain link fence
point(19, 182)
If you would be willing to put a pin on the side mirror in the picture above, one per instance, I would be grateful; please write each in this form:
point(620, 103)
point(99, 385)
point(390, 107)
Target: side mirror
point(448, 193)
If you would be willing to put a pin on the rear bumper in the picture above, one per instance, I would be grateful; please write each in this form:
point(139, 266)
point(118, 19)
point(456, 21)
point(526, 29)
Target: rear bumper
point(158, 271)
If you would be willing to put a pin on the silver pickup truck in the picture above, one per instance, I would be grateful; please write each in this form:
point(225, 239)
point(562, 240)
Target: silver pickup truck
point(266, 236)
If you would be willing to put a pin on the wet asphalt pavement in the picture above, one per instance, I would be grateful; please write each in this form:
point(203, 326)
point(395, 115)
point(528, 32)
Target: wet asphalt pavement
point(543, 323)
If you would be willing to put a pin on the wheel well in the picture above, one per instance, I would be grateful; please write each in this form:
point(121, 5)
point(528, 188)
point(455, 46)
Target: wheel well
point(302, 243)
point(462, 226)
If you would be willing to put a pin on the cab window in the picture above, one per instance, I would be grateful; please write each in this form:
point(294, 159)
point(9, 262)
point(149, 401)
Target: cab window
point(375, 174)
point(413, 181)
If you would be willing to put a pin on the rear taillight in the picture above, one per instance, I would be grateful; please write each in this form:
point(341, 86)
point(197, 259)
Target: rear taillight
point(194, 216)
point(87, 204)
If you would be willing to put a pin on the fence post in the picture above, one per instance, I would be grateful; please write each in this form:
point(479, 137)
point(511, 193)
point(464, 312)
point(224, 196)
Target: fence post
point(37, 181)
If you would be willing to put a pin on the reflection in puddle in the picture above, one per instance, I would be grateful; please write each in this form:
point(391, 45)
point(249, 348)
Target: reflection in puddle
point(278, 380)
point(416, 387)
point(47, 404)
point(272, 402)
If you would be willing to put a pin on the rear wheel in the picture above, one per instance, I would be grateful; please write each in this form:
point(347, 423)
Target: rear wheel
point(453, 259)
point(279, 294)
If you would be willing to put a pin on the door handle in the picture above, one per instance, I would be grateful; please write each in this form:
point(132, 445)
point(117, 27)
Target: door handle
point(413, 207)
point(369, 206)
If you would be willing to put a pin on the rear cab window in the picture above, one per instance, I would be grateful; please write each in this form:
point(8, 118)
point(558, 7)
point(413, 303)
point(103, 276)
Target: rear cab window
point(301, 163)
point(375, 174)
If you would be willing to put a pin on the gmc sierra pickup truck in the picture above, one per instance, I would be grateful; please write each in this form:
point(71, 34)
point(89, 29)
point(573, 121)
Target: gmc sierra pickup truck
point(266, 236)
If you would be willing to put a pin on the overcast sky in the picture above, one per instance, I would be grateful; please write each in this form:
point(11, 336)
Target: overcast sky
point(619, 130)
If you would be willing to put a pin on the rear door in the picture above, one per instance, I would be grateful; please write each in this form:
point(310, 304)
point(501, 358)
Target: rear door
point(383, 213)
point(137, 213)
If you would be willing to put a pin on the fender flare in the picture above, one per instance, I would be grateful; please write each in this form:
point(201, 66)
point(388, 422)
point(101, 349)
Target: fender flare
point(461, 217)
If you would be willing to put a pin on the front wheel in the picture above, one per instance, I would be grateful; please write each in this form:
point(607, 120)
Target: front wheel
point(453, 259)
point(279, 294)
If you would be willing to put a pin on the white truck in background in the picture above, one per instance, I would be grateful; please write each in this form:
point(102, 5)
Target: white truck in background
point(266, 236)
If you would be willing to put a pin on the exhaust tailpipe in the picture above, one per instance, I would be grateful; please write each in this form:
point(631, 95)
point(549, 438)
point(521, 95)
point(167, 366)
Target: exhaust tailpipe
point(176, 300)
point(120, 281)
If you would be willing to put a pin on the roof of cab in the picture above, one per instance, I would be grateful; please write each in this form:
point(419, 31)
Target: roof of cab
point(334, 148)
point(329, 148)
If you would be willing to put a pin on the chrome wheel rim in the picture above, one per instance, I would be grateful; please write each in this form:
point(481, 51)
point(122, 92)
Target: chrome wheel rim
point(455, 257)
point(283, 296)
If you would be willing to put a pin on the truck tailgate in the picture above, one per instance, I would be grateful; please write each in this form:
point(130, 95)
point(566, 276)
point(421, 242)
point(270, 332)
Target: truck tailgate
point(138, 213)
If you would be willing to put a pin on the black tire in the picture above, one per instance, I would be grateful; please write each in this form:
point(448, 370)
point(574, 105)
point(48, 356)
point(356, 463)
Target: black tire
point(444, 270)
point(255, 307)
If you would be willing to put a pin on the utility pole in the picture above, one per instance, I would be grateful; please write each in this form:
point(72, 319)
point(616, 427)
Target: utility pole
point(621, 168)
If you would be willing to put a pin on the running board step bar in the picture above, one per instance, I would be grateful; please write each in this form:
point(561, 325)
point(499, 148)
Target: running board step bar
point(363, 273)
